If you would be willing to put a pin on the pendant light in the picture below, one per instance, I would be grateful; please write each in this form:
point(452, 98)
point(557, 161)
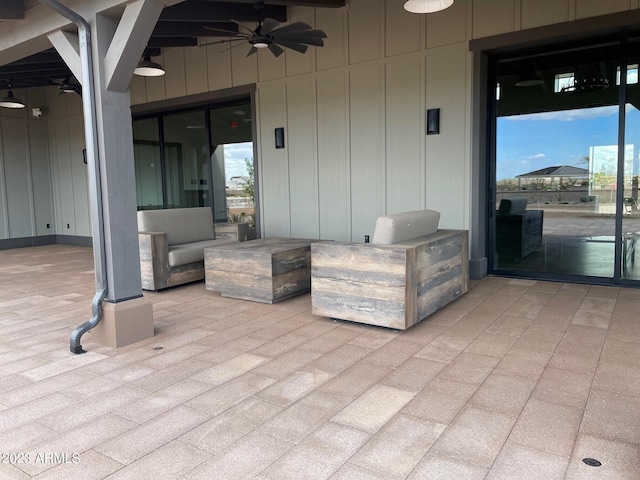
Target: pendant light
point(426, 6)
point(147, 68)
point(10, 101)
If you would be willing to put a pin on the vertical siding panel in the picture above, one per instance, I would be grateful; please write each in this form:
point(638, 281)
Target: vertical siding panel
point(303, 162)
point(218, 66)
point(448, 26)
point(593, 8)
point(174, 80)
point(64, 176)
point(446, 164)
point(79, 177)
point(273, 167)
point(17, 182)
point(404, 134)
point(41, 177)
point(367, 140)
point(270, 67)
point(365, 39)
point(402, 30)
point(536, 13)
point(493, 18)
point(74, 104)
point(244, 70)
point(333, 161)
point(4, 218)
point(195, 64)
point(155, 86)
point(332, 22)
point(137, 90)
point(297, 63)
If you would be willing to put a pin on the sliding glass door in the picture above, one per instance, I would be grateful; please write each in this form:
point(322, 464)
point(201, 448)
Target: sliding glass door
point(195, 158)
point(566, 164)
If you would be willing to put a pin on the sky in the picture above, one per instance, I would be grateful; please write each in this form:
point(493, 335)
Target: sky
point(534, 141)
point(234, 156)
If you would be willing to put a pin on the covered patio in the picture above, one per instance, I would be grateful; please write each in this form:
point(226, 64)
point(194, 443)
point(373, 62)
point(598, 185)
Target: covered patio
point(517, 379)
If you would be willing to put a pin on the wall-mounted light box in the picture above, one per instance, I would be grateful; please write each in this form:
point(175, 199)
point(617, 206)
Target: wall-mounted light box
point(279, 134)
point(433, 121)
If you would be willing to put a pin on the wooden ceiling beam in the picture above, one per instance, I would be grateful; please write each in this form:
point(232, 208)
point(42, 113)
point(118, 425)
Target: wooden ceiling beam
point(12, 10)
point(208, 11)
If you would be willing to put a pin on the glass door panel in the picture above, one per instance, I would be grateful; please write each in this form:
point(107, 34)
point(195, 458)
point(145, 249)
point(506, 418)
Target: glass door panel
point(631, 200)
point(232, 163)
point(148, 164)
point(556, 163)
point(185, 149)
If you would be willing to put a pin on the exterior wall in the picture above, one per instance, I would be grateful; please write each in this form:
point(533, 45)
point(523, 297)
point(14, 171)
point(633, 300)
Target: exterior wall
point(353, 112)
point(26, 203)
point(69, 172)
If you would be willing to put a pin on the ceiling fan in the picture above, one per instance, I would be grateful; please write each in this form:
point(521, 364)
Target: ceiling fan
point(68, 86)
point(268, 34)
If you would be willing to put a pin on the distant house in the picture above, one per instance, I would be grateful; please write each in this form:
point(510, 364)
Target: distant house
point(237, 183)
point(548, 175)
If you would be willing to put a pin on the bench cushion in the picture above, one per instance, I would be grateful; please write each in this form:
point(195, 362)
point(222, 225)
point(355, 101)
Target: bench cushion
point(193, 252)
point(182, 225)
point(399, 227)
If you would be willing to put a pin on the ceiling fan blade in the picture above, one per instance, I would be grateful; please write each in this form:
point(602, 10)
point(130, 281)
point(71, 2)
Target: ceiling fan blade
point(252, 51)
point(230, 33)
point(275, 49)
point(318, 42)
point(298, 47)
point(292, 27)
point(304, 33)
point(247, 31)
point(218, 42)
point(268, 25)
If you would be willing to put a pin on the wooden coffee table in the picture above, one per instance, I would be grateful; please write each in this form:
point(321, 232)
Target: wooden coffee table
point(264, 270)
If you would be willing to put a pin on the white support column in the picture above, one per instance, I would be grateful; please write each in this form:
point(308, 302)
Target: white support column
point(129, 42)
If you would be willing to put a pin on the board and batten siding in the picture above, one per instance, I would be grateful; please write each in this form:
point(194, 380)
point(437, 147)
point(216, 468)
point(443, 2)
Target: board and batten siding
point(26, 203)
point(70, 175)
point(353, 111)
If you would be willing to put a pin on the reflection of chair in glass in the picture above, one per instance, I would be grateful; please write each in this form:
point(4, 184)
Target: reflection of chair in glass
point(629, 204)
point(518, 230)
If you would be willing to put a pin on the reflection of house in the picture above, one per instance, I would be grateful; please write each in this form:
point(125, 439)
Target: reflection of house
point(555, 176)
point(237, 183)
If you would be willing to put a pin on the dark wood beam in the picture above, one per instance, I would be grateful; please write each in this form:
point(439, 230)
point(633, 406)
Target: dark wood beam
point(191, 29)
point(11, 9)
point(208, 11)
point(300, 3)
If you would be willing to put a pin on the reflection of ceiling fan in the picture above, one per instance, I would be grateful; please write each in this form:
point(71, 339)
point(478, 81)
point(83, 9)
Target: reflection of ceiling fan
point(268, 34)
point(68, 86)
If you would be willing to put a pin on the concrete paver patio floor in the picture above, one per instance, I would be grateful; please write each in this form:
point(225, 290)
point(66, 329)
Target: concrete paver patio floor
point(518, 379)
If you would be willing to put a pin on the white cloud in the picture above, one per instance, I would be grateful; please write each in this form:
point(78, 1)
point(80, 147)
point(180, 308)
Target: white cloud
point(537, 156)
point(568, 115)
point(234, 158)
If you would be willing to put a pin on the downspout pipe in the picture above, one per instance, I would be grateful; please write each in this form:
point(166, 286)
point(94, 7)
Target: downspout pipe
point(95, 193)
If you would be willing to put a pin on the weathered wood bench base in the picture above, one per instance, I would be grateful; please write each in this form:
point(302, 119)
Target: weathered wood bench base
point(393, 286)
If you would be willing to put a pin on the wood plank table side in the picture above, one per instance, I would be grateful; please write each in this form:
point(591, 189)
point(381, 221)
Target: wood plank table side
point(265, 270)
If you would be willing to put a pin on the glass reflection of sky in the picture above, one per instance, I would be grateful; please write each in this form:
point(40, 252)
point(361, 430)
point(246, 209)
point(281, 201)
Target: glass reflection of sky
point(534, 141)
